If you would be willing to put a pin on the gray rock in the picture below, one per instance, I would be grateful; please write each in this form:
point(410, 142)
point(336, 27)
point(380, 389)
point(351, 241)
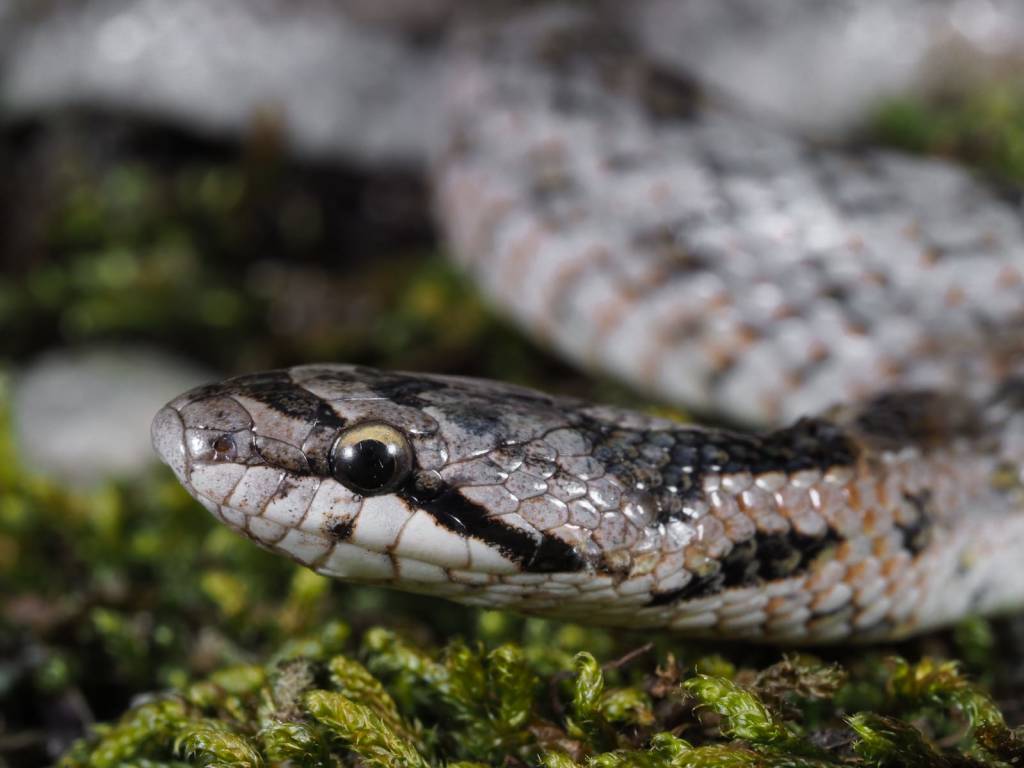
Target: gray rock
point(83, 416)
point(820, 65)
point(338, 87)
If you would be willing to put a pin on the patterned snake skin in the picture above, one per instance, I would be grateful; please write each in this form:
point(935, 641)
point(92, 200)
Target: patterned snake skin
point(705, 255)
point(873, 521)
point(647, 229)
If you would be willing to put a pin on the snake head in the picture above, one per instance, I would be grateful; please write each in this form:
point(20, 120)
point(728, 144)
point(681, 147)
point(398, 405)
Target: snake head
point(377, 476)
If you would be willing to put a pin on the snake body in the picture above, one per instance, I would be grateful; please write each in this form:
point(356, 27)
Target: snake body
point(643, 228)
point(705, 255)
point(870, 521)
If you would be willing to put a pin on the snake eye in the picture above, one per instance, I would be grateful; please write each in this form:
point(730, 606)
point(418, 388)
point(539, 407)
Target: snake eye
point(371, 458)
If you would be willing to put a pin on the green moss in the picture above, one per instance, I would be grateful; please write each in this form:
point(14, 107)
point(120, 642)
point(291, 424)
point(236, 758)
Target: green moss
point(398, 706)
point(984, 127)
point(746, 717)
point(363, 731)
point(211, 745)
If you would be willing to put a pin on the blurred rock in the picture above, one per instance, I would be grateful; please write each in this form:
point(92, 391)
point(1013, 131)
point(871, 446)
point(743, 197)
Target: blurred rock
point(361, 80)
point(335, 87)
point(821, 66)
point(83, 416)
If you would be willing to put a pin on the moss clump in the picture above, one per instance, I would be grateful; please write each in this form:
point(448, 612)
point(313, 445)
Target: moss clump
point(983, 127)
point(388, 703)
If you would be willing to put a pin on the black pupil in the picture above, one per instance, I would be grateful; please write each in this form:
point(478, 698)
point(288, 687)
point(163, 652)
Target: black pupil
point(368, 464)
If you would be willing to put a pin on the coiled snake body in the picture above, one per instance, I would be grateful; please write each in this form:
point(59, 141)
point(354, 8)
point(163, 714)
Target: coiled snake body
point(709, 258)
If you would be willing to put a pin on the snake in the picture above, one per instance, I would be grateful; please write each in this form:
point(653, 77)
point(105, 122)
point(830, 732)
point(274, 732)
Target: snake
point(858, 312)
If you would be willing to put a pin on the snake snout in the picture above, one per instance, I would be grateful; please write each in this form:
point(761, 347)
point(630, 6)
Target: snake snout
point(167, 433)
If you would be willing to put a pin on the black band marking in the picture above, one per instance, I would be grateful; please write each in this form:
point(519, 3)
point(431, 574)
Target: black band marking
point(917, 535)
point(755, 561)
point(457, 513)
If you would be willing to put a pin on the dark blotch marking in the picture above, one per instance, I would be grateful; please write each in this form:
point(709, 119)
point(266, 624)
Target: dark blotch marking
point(599, 52)
point(808, 444)
point(554, 556)
point(284, 490)
point(457, 513)
point(477, 421)
point(399, 389)
point(341, 531)
point(754, 561)
point(923, 417)
point(671, 464)
point(666, 241)
point(300, 404)
point(1010, 394)
point(698, 586)
point(276, 390)
point(471, 415)
point(918, 534)
point(783, 555)
point(741, 565)
point(667, 94)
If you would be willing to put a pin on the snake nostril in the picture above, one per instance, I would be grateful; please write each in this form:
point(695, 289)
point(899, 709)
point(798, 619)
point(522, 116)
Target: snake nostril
point(223, 447)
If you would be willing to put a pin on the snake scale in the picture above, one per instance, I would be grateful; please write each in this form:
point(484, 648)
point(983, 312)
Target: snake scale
point(870, 301)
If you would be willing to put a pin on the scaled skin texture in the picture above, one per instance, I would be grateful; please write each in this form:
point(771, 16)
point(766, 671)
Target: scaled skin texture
point(871, 522)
